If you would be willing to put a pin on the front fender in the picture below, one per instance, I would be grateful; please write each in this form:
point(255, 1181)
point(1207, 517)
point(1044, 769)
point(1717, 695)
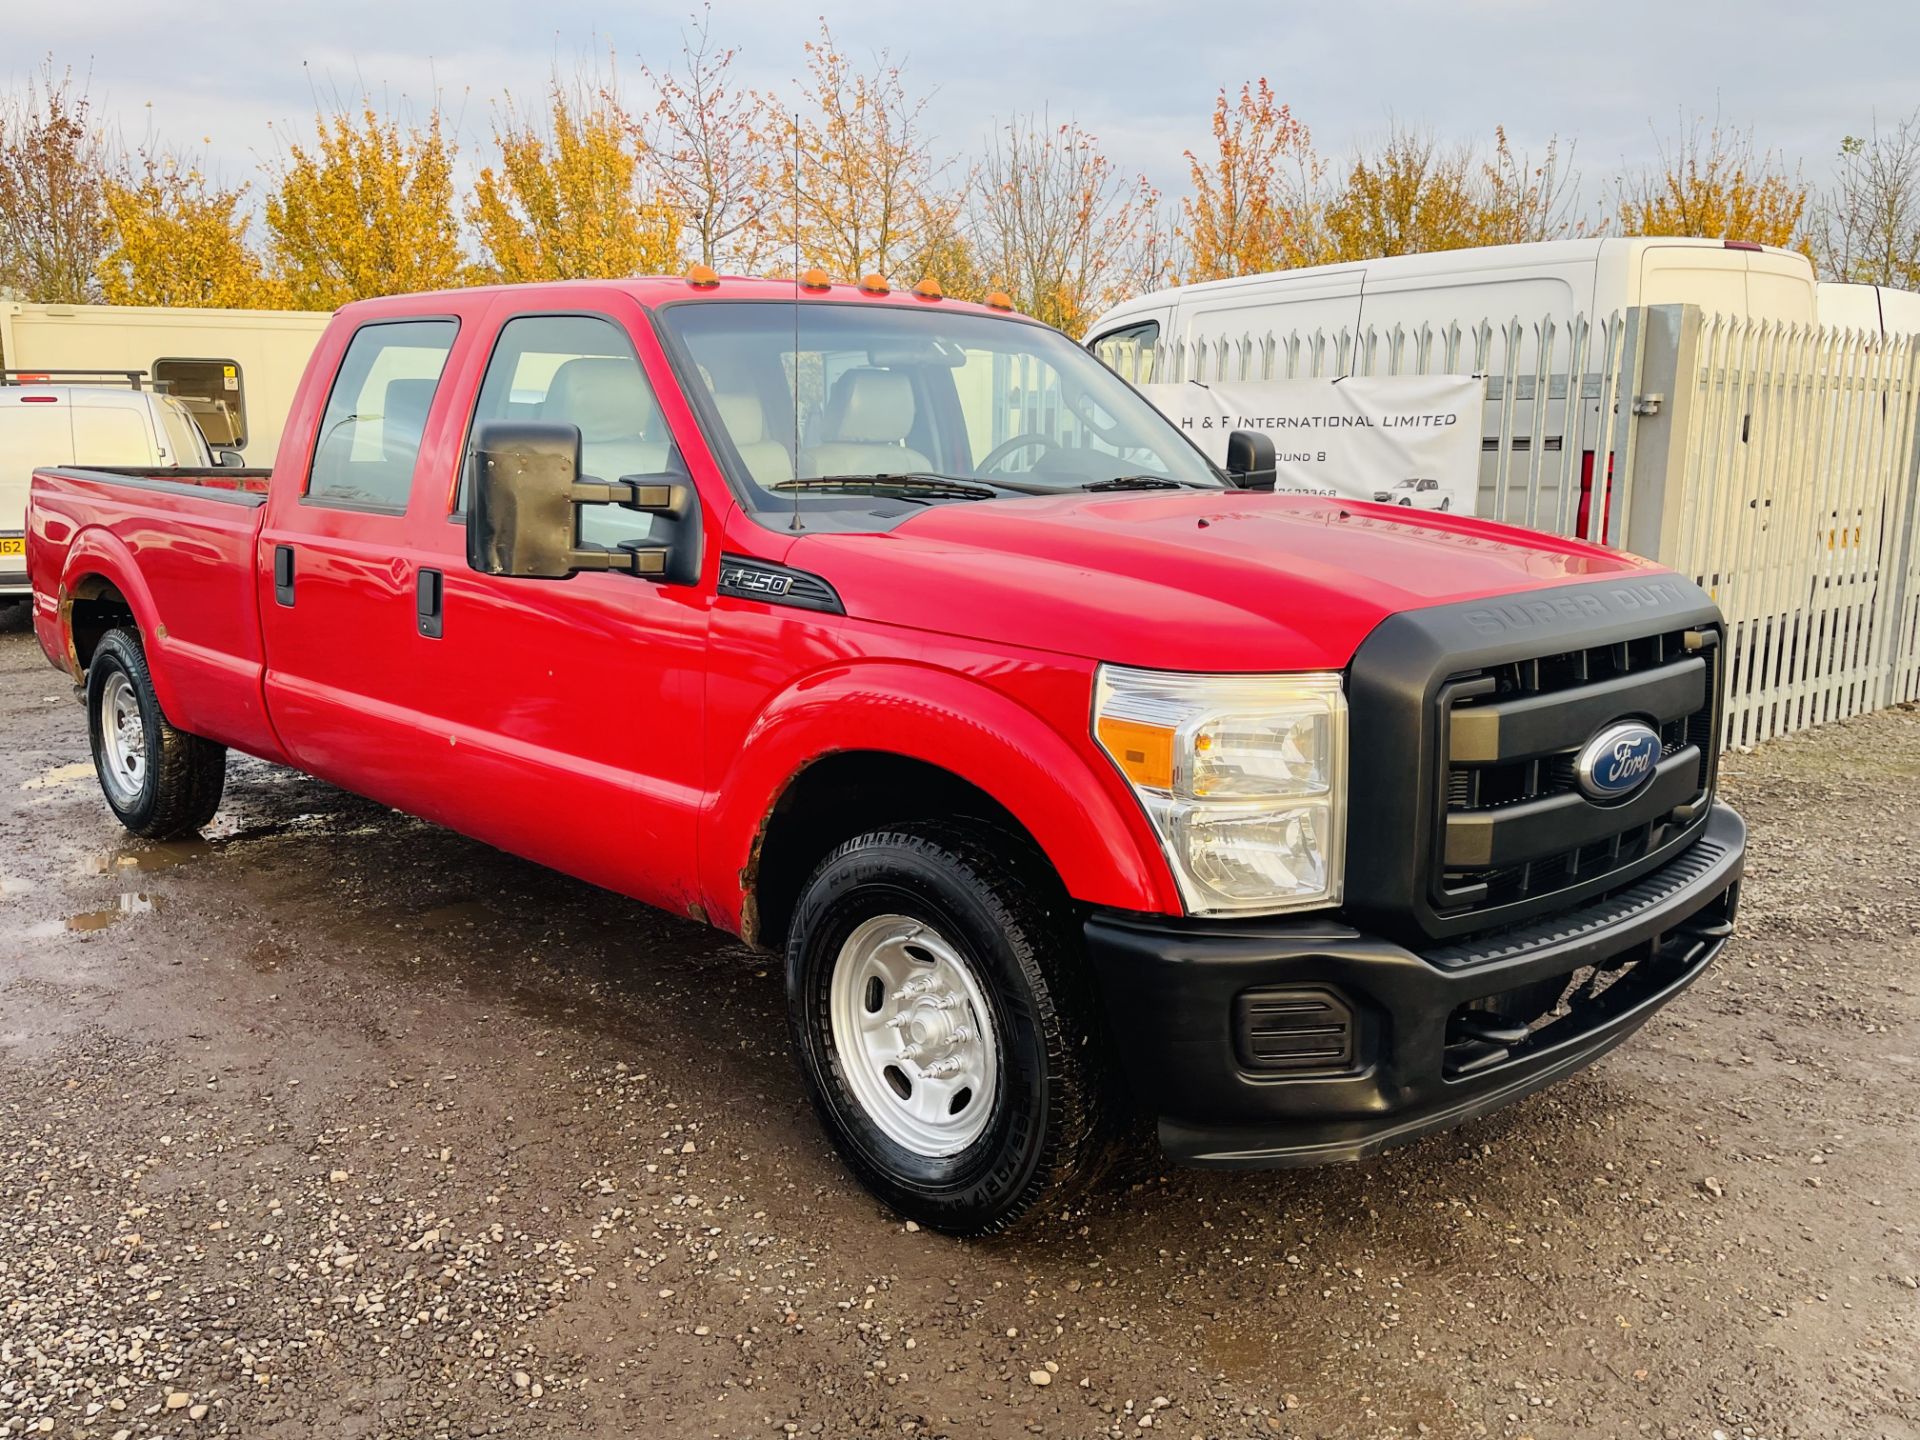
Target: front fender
point(1073, 805)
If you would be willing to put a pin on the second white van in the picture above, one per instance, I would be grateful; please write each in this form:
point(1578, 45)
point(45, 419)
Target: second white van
point(49, 424)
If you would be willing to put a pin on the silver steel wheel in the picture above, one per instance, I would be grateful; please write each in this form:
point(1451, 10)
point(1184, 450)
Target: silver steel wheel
point(914, 1035)
point(123, 739)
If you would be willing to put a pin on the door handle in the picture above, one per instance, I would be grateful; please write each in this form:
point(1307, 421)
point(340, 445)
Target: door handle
point(283, 574)
point(428, 601)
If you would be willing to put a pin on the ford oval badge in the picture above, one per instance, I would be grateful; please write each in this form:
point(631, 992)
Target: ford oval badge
point(1617, 762)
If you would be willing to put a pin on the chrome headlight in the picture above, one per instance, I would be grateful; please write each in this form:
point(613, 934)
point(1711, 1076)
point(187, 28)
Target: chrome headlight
point(1244, 778)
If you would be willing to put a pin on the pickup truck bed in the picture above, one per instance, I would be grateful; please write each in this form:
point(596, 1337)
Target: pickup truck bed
point(195, 533)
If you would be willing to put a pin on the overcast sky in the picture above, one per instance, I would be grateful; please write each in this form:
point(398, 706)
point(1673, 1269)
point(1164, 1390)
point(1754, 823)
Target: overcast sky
point(1140, 75)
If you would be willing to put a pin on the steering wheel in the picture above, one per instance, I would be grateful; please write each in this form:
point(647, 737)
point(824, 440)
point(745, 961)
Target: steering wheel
point(1013, 447)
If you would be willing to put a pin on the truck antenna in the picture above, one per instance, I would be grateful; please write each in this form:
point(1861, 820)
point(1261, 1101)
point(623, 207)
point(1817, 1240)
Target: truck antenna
point(795, 198)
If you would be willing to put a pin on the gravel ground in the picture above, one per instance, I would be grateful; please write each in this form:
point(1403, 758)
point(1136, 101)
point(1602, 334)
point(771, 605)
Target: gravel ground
point(336, 1123)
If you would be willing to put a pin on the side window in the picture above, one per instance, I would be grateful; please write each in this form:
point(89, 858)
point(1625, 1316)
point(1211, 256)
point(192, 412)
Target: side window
point(376, 414)
point(1129, 352)
point(580, 370)
point(182, 439)
point(213, 390)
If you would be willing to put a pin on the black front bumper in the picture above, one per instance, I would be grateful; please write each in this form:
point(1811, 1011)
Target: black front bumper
point(1368, 1044)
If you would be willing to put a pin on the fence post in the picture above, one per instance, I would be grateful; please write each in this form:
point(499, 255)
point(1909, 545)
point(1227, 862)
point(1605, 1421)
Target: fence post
point(1901, 542)
point(1661, 362)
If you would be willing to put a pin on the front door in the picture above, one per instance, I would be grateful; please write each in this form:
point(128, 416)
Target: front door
point(574, 707)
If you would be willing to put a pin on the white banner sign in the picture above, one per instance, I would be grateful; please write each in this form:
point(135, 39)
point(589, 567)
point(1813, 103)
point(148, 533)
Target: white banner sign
point(1401, 439)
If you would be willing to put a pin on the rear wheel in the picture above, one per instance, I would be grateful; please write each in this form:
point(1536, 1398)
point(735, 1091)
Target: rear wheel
point(938, 1005)
point(159, 780)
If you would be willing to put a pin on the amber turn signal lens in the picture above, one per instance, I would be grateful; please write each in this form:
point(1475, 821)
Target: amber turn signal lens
point(1143, 752)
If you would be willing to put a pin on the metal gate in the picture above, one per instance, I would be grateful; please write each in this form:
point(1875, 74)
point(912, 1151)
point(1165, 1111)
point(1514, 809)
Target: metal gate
point(1778, 471)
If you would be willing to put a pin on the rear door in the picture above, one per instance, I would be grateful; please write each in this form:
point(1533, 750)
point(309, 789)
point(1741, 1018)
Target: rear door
point(36, 430)
point(336, 568)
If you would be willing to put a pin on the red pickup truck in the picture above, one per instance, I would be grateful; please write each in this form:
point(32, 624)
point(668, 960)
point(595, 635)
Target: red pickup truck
point(1074, 777)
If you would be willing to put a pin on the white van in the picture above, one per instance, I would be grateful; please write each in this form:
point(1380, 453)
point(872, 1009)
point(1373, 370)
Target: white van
point(48, 424)
point(1554, 279)
point(1495, 286)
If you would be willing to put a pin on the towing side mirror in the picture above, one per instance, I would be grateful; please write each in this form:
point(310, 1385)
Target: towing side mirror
point(1250, 460)
point(523, 515)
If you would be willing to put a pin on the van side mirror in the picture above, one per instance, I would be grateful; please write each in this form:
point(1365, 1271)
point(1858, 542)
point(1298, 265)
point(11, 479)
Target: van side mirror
point(523, 513)
point(1250, 460)
point(229, 459)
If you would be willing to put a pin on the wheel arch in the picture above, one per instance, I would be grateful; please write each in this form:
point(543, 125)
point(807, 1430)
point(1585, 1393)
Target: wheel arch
point(875, 744)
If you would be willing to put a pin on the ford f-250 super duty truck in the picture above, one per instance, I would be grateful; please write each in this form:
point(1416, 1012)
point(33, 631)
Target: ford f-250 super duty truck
point(1074, 777)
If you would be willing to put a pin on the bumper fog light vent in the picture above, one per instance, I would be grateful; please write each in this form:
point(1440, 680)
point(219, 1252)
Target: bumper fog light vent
point(1293, 1030)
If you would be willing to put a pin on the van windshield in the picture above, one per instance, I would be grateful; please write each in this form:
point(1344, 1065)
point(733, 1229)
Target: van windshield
point(923, 406)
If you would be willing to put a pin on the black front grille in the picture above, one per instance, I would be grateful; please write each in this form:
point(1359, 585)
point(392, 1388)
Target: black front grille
point(1514, 825)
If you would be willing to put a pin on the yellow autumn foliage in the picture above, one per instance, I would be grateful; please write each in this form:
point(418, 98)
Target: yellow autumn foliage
point(1715, 186)
point(368, 210)
point(178, 238)
point(565, 204)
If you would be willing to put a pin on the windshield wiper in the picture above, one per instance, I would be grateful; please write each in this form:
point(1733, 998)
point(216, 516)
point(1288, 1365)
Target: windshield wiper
point(950, 487)
point(1134, 482)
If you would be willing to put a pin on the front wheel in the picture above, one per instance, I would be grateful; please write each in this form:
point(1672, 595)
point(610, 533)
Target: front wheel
point(160, 781)
point(936, 995)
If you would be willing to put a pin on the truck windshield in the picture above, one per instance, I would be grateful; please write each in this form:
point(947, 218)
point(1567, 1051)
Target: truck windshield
point(946, 405)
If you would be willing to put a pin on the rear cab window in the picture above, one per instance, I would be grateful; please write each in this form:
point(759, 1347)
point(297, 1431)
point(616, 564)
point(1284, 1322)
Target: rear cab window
point(376, 415)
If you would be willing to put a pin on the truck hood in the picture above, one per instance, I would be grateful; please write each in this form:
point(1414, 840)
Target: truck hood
point(1218, 581)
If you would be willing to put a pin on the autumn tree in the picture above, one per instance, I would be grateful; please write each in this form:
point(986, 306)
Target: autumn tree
point(1416, 194)
point(852, 182)
point(367, 210)
point(1254, 204)
point(1868, 227)
point(179, 238)
point(704, 148)
point(1714, 185)
point(1055, 225)
point(1522, 201)
point(563, 201)
point(1413, 195)
point(53, 175)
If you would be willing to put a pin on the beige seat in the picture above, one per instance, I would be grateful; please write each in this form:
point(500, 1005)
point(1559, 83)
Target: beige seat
point(768, 461)
point(608, 399)
point(869, 416)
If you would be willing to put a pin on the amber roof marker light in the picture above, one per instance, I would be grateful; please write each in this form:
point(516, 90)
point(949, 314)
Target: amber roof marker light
point(874, 284)
point(702, 277)
point(929, 289)
point(999, 300)
point(816, 279)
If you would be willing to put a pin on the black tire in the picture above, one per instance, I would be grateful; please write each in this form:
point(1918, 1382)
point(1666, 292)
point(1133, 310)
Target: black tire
point(1000, 909)
point(183, 775)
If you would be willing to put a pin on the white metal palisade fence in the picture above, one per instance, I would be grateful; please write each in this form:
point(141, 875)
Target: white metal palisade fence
point(1798, 515)
point(1774, 464)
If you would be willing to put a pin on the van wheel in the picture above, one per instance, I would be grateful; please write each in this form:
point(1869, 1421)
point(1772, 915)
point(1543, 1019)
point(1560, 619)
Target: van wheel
point(939, 1009)
point(160, 781)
